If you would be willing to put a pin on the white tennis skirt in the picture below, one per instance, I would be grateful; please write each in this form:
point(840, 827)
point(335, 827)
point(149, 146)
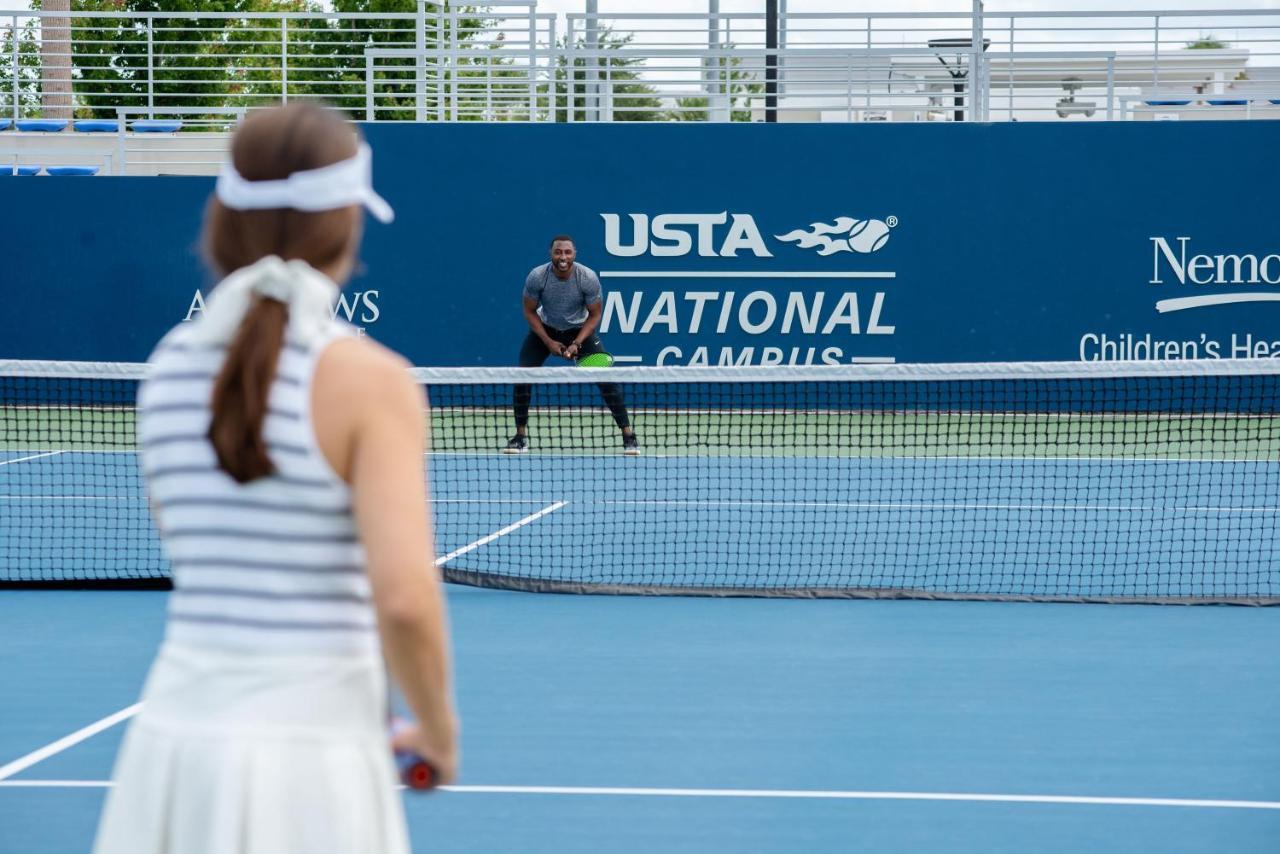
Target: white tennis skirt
point(239, 753)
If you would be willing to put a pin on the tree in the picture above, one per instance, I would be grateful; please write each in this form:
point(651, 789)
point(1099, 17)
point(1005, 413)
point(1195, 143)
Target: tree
point(623, 93)
point(232, 61)
point(1207, 42)
point(395, 83)
point(55, 61)
point(738, 86)
point(172, 60)
point(166, 62)
point(24, 81)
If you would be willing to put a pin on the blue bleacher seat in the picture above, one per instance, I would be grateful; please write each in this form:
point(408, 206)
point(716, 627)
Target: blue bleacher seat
point(72, 170)
point(42, 125)
point(97, 126)
point(24, 171)
point(156, 125)
point(1227, 102)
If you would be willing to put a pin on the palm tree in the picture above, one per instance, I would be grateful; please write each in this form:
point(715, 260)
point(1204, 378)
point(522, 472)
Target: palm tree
point(55, 61)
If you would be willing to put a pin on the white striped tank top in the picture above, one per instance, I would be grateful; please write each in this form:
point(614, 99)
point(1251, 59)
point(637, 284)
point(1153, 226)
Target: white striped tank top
point(269, 566)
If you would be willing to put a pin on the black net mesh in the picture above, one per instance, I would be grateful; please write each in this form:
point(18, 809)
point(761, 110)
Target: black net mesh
point(1015, 481)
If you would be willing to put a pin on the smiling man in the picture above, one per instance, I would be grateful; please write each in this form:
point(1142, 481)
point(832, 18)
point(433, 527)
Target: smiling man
point(562, 305)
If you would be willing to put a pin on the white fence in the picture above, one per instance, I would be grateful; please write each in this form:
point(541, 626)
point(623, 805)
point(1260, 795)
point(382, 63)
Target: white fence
point(506, 61)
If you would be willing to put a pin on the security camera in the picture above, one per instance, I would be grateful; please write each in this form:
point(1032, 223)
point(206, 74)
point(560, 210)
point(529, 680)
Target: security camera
point(1069, 106)
point(1072, 107)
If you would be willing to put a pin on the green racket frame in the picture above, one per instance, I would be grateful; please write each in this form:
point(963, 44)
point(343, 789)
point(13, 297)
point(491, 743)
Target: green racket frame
point(596, 360)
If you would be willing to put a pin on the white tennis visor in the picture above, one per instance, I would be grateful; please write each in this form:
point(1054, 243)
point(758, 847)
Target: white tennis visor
point(348, 182)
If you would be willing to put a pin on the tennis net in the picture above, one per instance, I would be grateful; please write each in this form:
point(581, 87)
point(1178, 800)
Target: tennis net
point(1057, 481)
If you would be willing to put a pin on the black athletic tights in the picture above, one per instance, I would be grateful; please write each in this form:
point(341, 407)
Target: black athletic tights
point(533, 353)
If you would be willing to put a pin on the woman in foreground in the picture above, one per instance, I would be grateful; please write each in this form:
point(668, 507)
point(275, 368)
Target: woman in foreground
point(283, 457)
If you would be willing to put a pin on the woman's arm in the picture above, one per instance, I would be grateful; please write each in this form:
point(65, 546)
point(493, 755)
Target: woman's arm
point(368, 390)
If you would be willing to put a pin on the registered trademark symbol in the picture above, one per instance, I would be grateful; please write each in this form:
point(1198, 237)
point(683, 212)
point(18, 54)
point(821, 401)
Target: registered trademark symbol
point(892, 222)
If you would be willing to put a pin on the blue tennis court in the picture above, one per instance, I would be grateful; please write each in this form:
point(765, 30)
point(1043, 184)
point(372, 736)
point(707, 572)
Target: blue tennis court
point(719, 725)
point(771, 721)
point(642, 724)
point(892, 464)
point(1187, 524)
point(1136, 528)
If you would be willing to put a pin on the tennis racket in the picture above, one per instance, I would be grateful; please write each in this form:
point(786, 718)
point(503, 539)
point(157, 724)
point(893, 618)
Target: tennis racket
point(595, 360)
point(414, 771)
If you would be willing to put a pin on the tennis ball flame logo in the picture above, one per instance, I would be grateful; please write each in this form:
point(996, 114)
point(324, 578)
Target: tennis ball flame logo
point(846, 234)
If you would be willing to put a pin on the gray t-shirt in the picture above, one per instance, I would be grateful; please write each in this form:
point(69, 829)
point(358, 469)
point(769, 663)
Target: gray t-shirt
point(562, 303)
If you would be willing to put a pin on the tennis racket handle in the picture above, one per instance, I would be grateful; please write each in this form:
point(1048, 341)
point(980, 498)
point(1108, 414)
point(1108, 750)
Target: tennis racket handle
point(415, 772)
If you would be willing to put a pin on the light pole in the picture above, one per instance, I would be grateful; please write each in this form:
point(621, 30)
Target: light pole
point(979, 71)
point(959, 72)
point(592, 111)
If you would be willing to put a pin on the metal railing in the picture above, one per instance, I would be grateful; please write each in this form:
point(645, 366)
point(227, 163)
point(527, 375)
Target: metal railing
point(1030, 66)
point(506, 61)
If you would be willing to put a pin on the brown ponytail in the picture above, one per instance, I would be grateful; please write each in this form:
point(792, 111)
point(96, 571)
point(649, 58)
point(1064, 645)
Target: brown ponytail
point(240, 392)
point(269, 145)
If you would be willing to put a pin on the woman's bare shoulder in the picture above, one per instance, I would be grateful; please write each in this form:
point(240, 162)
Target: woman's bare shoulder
point(360, 369)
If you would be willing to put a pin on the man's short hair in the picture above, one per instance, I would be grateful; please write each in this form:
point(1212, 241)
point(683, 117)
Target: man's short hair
point(560, 237)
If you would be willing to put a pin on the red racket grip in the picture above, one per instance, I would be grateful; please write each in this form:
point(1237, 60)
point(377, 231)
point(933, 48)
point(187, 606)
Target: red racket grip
point(415, 772)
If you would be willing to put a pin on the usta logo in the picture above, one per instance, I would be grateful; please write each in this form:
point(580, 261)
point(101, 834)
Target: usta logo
point(667, 236)
point(724, 235)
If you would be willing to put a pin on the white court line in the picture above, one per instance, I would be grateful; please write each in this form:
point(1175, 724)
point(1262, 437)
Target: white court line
point(865, 796)
point(63, 743)
point(784, 453)
point(866, 505)
point(818, 505)
point(31, 457)
point(25, 762)
point(780, 794)
point(502, 532)
point(840, 505)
